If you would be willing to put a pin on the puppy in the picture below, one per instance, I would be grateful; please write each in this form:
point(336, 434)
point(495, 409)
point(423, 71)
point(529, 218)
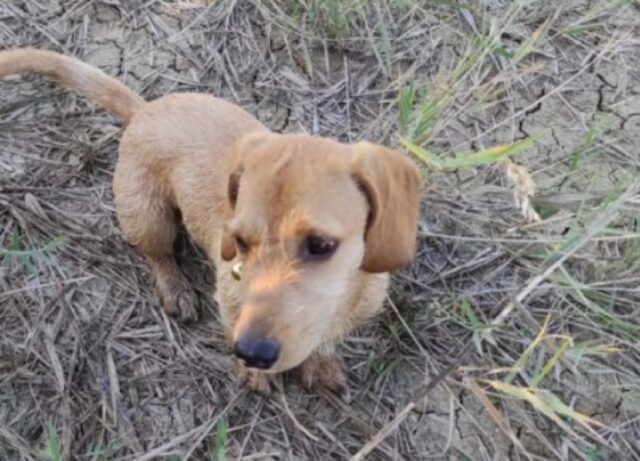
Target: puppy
point(302, 230)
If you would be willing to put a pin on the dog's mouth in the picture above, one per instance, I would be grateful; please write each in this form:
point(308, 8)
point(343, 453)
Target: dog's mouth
point(257, 365)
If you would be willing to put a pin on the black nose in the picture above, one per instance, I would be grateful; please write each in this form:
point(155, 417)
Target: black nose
point(256, 352)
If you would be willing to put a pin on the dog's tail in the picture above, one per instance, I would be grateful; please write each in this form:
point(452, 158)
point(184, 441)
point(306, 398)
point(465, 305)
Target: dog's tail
point(76, 75)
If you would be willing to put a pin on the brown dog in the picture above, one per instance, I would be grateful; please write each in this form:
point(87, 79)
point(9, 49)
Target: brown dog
point(302, 230)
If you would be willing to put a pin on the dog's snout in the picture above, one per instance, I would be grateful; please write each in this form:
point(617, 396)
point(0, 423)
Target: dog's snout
point(257, 352)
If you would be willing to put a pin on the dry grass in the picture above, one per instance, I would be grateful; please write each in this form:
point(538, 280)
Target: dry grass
point(532, 324)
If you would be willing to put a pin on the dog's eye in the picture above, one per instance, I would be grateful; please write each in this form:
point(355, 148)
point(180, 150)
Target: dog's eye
point(241, 244)
point(316, 247)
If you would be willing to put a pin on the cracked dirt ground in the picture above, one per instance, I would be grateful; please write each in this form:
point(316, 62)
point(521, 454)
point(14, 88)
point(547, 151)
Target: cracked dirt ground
point(86, 354)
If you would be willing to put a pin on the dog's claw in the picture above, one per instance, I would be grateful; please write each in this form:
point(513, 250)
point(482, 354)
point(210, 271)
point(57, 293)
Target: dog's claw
point(324, 372)
point(188, 303)
point(181, 304)
point(258, 381)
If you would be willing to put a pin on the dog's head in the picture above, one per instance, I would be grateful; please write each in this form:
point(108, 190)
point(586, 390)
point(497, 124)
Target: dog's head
point(309, 216)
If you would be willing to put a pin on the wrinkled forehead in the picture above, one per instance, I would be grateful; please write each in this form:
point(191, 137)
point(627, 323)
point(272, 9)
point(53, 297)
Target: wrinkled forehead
point(296, 190)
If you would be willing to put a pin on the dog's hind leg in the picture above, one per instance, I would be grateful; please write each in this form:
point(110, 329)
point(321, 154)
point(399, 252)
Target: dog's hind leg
point(148, 220)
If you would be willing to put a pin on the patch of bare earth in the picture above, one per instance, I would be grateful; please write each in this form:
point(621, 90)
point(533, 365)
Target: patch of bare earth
point(506, 318)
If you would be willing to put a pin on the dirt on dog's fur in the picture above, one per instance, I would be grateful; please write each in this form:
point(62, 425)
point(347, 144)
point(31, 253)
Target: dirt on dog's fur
point(88, 358)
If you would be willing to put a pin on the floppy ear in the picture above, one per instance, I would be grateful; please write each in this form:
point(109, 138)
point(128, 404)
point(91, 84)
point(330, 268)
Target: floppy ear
point(391, 183)
point(240, 150)
point(227, 246)
point(243, 147)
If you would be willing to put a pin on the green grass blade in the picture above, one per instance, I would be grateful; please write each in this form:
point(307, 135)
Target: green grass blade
point(427, 157)
point(520, 363)
point(551, 406)
point(525, 48)
point(487, 156)
point(14, 248)
point(222, 434)
point(53, 448)
point(480, 158)
point(406, 100)
point(551, 362)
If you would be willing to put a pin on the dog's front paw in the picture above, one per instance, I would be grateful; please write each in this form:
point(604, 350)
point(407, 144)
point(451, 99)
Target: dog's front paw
point(181, 303)
point(324, 372)
point(258, 381)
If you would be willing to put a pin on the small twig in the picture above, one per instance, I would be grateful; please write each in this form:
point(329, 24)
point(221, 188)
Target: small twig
point(402, 415)
point(347, 90)
point(6, 294)
point(203, 429)
point(297, 423)
point(595, 228)
point(495, 415)
point(384, 432)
